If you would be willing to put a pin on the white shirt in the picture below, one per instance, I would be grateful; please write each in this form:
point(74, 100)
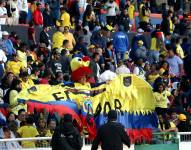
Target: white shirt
point(23, 5)
point(107, 75)
point(139, 72)
point(112, 8)
point(14, 5)
point(3, 11)
point(122, 70)
point(3, 57)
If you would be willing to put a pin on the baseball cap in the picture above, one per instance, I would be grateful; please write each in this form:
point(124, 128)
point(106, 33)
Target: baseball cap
point(140, 30)
point(182, 117)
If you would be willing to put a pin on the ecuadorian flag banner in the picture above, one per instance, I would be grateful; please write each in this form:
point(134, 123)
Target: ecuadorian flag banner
point(130, 95)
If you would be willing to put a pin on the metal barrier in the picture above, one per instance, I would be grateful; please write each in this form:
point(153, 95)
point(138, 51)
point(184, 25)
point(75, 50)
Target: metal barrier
point(184, 140)
point(160, 141)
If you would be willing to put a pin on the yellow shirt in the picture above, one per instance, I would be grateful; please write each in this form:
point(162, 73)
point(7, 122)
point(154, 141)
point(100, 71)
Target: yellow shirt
point(154, 44)
point(28, 84)
point(65, 17)
point(171, 26)
point(28, 132)
point(22, 56)
point(143, 18)
point(161, 99)
point(14, 67)
point(58, 39)
point(14, 105)
point(179, 51)
point(152, 78)
point(70, 38)
point(131, 10)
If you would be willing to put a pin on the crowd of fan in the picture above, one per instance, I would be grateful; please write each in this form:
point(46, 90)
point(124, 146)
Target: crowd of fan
point(99, 30)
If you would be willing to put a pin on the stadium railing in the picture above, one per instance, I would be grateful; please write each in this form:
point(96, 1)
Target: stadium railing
point(160, 140)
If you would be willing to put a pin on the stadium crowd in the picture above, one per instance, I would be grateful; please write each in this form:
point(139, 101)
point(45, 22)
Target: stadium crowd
point(98, 29)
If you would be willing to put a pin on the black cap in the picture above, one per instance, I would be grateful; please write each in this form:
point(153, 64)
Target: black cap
point(67, 118)
point(112, 115)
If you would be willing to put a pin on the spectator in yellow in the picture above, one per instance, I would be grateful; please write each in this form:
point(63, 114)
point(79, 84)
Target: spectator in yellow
point(21, 53)
point(166, 125)
point(11, 96)
point(161, 96)
point(179, 50)
point(65, 18)
point(28, 131)
point(15, 66)
point(26, 81)
point(144, 14)
point(58, 38)
point(131, 11)
point(69, 36)
point(43, 132)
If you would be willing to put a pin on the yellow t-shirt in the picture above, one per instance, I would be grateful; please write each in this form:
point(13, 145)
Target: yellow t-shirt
point(152, 78)
point(179, 51)
point(171, 26)
point(28, 132)
point(161, 99)
point(143, 18)
point(14, 67)
point(58, 39)
point(131, 10)
point(65, 17)
point(28, 84)
point(70, 38)
point(14, 105)
point(154, 44)
point(22, 56)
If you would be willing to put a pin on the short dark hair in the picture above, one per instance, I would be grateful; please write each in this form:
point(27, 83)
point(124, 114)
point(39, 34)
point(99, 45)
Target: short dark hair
point(20, 111)
point(95, 55)
point(109, 44)
point(30, 120)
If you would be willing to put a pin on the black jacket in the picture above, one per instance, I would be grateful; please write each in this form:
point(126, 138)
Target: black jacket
point(66, 137)
point(44, 38)
point(112, 135)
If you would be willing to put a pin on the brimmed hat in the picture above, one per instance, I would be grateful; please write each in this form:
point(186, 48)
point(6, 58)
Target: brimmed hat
point(5, 33)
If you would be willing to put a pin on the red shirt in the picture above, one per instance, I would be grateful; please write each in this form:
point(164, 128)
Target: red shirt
point(37, 17)
point(43, 81)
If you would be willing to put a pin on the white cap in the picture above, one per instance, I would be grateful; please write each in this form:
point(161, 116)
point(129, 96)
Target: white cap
point(5, 33)
point(140, 30)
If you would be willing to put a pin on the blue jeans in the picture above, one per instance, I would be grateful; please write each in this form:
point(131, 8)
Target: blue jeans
point(120, 56)
point(153, 56)
point(102, 19)
point(1, 72)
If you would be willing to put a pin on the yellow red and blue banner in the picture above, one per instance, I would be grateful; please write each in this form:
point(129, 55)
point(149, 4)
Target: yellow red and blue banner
point(130, 95)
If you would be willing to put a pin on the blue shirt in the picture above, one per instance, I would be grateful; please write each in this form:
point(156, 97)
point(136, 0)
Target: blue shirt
point(120, 42)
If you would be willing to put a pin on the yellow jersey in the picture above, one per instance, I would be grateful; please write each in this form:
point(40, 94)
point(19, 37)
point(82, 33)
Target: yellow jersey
point(69, 36)
point(65, 18)
point(161, 99)
point(28, 84)
point(28, 131)
point(58, 39)
point(131, 10)
point(15, 67)
point(179, 51)
point(22, 56)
